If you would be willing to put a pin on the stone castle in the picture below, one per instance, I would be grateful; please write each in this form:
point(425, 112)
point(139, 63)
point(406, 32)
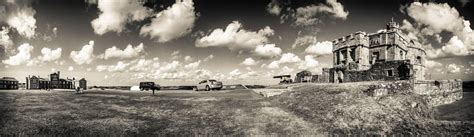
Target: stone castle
point(385, 55)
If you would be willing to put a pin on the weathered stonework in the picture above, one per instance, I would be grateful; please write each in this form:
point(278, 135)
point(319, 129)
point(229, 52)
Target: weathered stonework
point(380, 71)
point(440, 92)
point(385, 55)
point(437, 92)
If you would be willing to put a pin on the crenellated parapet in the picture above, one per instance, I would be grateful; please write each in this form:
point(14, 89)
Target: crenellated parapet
point(356, 39)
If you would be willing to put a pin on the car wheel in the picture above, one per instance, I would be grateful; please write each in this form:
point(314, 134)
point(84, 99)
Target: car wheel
point(195, 88)
point(207, 88)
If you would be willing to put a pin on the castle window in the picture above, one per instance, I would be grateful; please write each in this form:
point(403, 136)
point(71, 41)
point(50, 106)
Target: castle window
point(401, 55)
point(390, 73)
point(418, 59)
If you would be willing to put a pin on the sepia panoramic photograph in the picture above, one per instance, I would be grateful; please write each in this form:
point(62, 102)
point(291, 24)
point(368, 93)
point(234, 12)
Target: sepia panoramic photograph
point(236, 68)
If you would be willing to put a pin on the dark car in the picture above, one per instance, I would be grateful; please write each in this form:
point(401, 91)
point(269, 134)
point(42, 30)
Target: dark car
point(149, 86)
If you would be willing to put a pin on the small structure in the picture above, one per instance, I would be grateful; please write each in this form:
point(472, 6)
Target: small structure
point(304, 76)
point(284, 79)
point(22, 86)
point(8, 83)
point(83, 84)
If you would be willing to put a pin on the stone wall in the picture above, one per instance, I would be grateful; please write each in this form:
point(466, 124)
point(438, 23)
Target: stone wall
point(381, 71)
point(437, 92)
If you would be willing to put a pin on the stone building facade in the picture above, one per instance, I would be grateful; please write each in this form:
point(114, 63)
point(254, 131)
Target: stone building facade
point(385, 55)
point(8, 83)
point(83, 84)
point(59, 83)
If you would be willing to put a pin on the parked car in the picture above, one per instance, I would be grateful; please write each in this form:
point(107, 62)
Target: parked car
point(208, 85)
point(149, 86)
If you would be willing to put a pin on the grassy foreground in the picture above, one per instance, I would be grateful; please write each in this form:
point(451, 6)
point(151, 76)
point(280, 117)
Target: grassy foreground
point(114, 113)
point(346, 109)
point(307, 110)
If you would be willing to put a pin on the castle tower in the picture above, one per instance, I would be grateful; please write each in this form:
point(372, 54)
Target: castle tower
point(393, 26)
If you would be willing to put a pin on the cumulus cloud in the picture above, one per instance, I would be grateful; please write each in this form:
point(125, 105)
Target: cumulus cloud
point(309, 63)
point(70, 68)
point(267, 50)
point(208, 58)
point(304, 41)
point(139, 65)
point(188, 58)
point(174, 22)
point(175, 54)
point(115, 14)
point(85, 55)
point(235, 73)
point(170, 67)
point(5, 39)
point(193, 65)
point(286, 71)
point(289, 58)
point(19, 15)
point(119, 67)
point(456, 47)
point(273, 65)
point(22, 57)
point(6, 42)
point(127, 53)
point(452, 68)
point(306, 16)
point(249, 62)
point(432, 64)
point(431, 13)
point(320, 48)
point(235, 37)
point(428, 24)
point(274, 7)
point(48, 55)
point(285, 58)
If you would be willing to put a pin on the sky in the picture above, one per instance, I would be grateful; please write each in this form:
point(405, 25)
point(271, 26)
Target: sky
point(123, 42)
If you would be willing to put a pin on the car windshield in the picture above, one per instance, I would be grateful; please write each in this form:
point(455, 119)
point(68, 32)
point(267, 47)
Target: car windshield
point(212, 80)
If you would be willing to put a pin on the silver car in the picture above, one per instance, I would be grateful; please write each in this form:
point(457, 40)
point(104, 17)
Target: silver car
point(208, 85)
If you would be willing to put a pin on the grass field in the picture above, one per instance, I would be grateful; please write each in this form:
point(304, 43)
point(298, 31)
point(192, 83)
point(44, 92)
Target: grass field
point(239, 112)
point(308, 110)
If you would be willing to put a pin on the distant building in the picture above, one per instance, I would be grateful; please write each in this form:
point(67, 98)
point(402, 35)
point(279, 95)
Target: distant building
point(44, 83)
point(304, 76)
point(36, 82)
point(21, 85)
point(8, 83)
point(83, 84)
point(54, 80)
point(65, 84)
point(59, 83)
point(32, 82)
point(284, 79)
